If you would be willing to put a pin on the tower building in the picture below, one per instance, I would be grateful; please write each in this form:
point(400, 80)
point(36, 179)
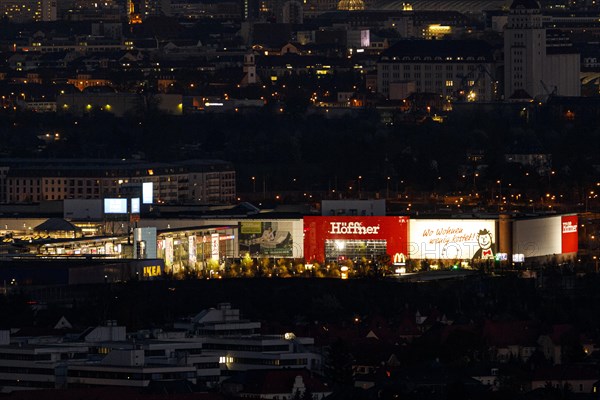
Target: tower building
point(532, 65)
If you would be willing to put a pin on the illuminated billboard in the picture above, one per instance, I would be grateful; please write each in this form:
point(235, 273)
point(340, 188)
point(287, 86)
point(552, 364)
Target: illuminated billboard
point(273, 237)
point(115, 206)
point(135, 205)
point(147, 192)
point(452, 239)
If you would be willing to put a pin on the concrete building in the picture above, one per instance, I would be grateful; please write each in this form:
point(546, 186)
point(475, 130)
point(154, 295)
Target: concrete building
point(195, 181)
point(534, 66)
point(107, 356)
point(462, 69)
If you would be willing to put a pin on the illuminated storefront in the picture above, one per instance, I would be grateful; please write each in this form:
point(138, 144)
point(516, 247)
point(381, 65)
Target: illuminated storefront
point(197, 249)
point(352, 238)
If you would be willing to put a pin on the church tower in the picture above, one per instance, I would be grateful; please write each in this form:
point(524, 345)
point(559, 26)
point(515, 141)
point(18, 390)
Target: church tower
point(524, 49)
point(250, 77)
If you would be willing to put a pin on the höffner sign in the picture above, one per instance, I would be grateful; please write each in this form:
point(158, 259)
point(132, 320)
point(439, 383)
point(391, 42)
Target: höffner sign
point(352, 228)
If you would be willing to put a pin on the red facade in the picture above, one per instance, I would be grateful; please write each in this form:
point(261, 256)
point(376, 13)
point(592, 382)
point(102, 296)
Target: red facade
point(394, 230)
point(569, 234)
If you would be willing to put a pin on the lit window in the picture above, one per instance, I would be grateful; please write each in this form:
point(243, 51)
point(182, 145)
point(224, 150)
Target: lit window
point(449, 83)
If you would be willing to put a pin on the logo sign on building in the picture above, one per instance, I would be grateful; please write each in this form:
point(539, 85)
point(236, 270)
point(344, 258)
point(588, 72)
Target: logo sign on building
point(450, 239)
point(192, 250)
point(318, 230)
point(399, 259)
point(152, 270)
point(518, 258)
point(570, 242)
point(214, 240)
point(148, 269)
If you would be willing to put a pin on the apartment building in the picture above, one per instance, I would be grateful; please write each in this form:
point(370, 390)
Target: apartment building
point(192, 181)
point(452, 68)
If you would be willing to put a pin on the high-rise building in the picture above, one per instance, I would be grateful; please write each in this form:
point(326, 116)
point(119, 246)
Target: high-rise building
point(250, 10)
point(534, 67)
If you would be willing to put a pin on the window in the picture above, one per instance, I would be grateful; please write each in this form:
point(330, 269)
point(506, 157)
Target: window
point(449, 83)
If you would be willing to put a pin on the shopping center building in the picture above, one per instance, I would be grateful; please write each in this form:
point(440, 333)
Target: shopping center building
point(198, 245)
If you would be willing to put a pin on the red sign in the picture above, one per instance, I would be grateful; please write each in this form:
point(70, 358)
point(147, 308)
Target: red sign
point(569, 233)
point(394, 230)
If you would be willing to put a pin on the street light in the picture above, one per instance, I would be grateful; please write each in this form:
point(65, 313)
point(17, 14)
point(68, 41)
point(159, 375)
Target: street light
point(253, 184)
point(359, 179)
point(499, 182)
point(387, 192)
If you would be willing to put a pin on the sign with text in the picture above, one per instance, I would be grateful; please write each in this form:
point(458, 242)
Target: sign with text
point(214, 240)
point(570, 238)
point(452, 239)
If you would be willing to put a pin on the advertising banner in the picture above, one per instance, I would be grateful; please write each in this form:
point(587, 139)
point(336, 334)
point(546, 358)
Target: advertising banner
point(214, 240)
point(453, 239)
point(267, 238)
point(115, 206)
point(318, 230)
point(147, 192)
point(169, 252)
point(192, 250)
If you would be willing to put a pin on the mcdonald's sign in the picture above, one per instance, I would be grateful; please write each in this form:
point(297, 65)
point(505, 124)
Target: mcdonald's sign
point(399, 259)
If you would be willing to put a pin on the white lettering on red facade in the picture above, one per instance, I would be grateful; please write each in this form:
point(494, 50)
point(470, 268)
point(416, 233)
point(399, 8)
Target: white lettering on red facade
point(352, 228)
point(568, 227)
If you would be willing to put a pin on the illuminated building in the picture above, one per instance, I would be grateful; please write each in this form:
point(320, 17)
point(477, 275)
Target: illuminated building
point(351, 5)
point(134, 11)
point(29, 10)
point(193, 181)
point(450, 68)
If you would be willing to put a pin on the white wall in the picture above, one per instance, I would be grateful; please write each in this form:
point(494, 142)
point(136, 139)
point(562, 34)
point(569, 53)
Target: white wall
point(537, 237)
